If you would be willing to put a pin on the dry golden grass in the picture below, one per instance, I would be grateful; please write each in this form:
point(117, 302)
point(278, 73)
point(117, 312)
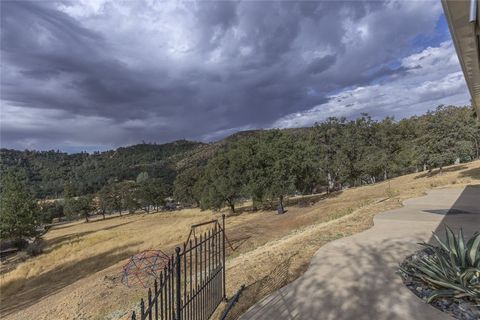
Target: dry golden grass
point(73, 278)
point(279, 262)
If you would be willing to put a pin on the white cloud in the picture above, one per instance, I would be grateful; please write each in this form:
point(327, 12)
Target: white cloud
point(433, 77)
point(83, 8)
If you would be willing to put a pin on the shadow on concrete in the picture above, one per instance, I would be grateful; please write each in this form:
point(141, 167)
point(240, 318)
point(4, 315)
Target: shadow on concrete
point(444, 212)
point(373, 294)
point(464, 214)
point(375, 291)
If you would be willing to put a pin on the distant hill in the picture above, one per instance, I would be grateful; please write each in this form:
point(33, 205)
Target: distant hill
point(49, 171)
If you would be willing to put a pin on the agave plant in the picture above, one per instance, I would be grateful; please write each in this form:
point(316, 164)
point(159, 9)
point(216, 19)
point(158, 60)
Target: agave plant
point(452, 269)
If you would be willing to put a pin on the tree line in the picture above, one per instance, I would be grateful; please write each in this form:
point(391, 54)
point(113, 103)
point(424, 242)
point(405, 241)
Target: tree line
point(22, 216)
point(265, 167)
point(47, 172)
point(335, 154)
point(144, 193)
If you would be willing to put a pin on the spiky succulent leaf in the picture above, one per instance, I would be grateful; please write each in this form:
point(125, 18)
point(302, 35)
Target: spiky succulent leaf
point(453, 267)
point(440, 293)
point(473, 248)
point(440, 242)
point(452, 245)
point(461, 249)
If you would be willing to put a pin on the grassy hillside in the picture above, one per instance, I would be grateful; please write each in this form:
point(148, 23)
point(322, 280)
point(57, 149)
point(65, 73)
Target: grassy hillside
point(77, 276)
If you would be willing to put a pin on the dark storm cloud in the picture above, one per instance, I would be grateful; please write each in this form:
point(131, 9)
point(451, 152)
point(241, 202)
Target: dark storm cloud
point(123, 72)
point(321, 64)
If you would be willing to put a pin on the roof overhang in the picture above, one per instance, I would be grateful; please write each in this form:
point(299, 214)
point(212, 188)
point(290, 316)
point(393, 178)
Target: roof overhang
point(463, 21)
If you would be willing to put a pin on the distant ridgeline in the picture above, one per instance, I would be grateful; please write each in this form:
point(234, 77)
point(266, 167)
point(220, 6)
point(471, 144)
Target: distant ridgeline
point(263, 164)
point(48, 171)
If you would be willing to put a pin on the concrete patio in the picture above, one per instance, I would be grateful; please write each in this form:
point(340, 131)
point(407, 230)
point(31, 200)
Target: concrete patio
point(354, 277)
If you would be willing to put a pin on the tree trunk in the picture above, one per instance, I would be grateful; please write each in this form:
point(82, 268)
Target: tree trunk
point(280, 209)
point(330, 182)
point(477, 147)
point(231, 205)
point(254, 205)
point(385, 174)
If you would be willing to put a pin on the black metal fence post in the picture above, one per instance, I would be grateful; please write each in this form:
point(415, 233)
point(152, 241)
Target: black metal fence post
point(204, 284)
point(223, 257)
point(178, 288)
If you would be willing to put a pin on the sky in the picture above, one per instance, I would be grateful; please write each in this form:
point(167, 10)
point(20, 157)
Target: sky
point(99, 74)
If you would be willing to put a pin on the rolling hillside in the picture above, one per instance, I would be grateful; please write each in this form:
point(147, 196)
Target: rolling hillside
point(48, 171)
point(77, 276)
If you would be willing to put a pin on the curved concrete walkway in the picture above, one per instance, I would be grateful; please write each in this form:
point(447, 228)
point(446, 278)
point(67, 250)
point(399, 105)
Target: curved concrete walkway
point(354, 278)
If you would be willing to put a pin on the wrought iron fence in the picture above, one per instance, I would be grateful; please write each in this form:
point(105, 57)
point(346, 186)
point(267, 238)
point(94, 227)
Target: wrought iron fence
point(192, 284)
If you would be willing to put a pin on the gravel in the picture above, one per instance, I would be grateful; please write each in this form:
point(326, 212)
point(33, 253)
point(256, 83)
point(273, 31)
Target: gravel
point(462, 309)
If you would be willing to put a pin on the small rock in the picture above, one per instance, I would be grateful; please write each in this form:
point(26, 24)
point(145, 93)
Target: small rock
point(462, 306)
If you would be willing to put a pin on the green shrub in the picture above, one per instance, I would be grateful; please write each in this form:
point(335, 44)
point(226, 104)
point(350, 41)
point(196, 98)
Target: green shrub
point(35, 248)
point(452, 269)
